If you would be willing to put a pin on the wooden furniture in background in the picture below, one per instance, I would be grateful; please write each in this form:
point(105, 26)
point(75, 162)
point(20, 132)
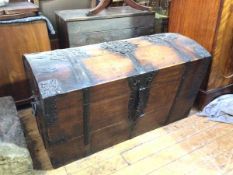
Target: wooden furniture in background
point(114, 23)
point(210, 23)
point(17, 39)
point(48, 8)
point(92, 97)
point(18, 10)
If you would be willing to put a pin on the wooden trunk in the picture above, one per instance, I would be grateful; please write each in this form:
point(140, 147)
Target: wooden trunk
point(92, 97)
point(212, 27)
point(114, 23)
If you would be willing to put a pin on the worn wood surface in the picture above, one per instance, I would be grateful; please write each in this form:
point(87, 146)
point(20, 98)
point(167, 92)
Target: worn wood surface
point(18, 10)
point(202, 28)
point(221, 73)
point(193, 145)
point(111, 12)
point(16, 40)
point(82, 39)
point(112, 91)
point(213, 33)
point(16, 16)
point(19, 7)
point(34, 141)
point(48, 8)
point(114, 23)
point(220, 80)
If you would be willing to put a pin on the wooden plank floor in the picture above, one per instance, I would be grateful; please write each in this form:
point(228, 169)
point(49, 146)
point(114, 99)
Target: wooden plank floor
point(193, 146)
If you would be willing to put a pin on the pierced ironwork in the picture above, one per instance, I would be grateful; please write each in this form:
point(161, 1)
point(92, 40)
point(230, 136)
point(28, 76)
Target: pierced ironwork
point(140, 89)
point(120, 47)
point(124, 48)
point(50, 88)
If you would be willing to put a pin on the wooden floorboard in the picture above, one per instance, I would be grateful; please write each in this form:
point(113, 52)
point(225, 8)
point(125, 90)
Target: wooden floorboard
point(192, 146)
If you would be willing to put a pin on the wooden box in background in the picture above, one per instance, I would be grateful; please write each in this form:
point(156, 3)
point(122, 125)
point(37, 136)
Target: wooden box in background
point(114, 23)
point(16, 10)
point(210, 23)
point(92, 97)
point(48, 8)
point(17, 39)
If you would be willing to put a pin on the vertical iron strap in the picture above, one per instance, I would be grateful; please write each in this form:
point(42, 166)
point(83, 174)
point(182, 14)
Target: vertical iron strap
point(86, 116)
point(140, 89)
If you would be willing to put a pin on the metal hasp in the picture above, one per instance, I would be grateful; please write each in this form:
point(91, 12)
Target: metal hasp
point(140, 89)
point(106, 3)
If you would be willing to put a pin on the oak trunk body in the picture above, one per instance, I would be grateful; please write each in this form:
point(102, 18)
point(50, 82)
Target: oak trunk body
point(92, 97)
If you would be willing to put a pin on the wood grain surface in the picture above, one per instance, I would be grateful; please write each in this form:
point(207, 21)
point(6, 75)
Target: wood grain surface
point(95, 96)
point(113, 23)
point(221, 73)
point(211, 24)
point(179, 148)
point(16, 40)
point(19, 7)
point(196, 19)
